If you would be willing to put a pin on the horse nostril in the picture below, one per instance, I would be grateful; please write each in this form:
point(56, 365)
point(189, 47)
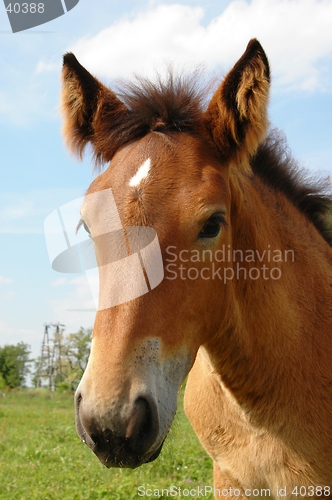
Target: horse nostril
point(142, 428)
point(78, 399)
point(79, 425)
point(119, 442)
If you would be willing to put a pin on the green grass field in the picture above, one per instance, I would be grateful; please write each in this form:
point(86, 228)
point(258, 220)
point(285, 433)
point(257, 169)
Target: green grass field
point(42, 458)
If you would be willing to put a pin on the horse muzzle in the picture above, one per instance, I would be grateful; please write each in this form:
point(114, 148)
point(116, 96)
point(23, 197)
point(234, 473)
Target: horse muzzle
point(126, 442)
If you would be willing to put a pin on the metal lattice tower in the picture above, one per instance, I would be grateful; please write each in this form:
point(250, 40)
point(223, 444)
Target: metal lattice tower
point(50, 365)
point(56, 373)
point(45, 366)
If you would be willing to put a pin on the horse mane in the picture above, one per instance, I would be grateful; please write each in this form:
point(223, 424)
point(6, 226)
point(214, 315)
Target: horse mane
point(275, 166)
point(177, 105)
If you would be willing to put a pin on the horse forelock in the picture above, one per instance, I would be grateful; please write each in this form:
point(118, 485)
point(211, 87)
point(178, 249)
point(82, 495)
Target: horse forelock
point(171, 105)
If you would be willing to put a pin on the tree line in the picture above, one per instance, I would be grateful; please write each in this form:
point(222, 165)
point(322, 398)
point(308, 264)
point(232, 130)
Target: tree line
point(16, 365)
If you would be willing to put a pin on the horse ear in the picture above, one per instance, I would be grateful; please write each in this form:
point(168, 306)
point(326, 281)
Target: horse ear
point(236, 117)
point(87, 106)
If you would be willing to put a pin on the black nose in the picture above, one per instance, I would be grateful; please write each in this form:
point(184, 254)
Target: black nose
point(116, 442)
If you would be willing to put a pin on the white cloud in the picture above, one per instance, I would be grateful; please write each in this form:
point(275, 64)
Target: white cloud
point(14, 335)
point(21, 213)
point(47, 67)
point(5, 293)
point(24, 96)
point(8, 295)
point(296, 34)
point(59, 282)
point(25, 212)
point(5, 281)
point(76, 305)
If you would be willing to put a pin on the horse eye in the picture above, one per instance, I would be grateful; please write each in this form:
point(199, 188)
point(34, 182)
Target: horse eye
point(212, 227)
point(85, 227)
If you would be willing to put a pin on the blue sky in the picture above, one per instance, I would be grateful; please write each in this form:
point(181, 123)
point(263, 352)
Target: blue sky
point(114, 39)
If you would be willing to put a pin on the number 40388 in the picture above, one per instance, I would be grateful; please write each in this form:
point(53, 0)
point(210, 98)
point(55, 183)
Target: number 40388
point(25, 8)
point(310, 491)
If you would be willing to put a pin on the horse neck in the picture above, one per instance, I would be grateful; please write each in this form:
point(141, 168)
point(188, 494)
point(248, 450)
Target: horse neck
point(277, 329)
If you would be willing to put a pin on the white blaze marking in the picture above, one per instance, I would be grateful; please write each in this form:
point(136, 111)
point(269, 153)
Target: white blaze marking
point(141, 173)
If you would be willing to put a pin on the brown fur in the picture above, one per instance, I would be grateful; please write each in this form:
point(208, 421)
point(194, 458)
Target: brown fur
point(259, 393)
point(88, 107)
point(93, 114)
point(236, 116)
